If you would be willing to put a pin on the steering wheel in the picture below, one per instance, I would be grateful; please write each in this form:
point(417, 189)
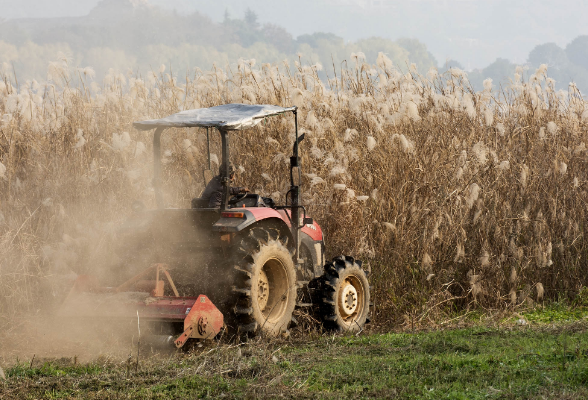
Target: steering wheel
point(237, 198)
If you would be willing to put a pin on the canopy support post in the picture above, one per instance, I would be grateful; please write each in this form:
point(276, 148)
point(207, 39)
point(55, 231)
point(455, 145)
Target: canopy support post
point(157, 166)
point(225, 178)
point(208, 146)
point(295, 190)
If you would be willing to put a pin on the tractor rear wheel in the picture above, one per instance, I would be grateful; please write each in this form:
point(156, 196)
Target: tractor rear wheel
point(266, 283)
point(344, 295)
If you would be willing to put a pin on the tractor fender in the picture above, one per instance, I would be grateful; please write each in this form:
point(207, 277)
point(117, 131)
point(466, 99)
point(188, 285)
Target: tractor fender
point(313, 230)
point(232, 221)
point(237, 219)
point(316, 249)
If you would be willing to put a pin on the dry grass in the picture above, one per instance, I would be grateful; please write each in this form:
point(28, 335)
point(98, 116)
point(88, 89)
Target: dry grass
point(454, 197)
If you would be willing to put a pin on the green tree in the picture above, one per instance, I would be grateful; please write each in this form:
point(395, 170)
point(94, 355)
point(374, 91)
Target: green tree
point(395, 52)
point(550, 54)
point(251, 19)
point(577, 51)
point(277, 36)
point(447, 64)
point(418, 53)
point(313, 39)
point(500, 70)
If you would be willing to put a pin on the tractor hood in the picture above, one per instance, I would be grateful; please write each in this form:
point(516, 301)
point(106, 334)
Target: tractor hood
point(227, 117)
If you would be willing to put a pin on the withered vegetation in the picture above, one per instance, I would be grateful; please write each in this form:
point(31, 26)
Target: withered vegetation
point(455, 198)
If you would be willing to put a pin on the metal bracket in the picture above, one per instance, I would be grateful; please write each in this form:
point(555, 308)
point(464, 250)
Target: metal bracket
point(204, 321)
point(158, 291)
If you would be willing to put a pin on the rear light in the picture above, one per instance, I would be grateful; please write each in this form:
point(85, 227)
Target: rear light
point(233, 215)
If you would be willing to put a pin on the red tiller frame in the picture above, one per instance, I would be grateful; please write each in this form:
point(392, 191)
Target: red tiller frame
point(201, 318)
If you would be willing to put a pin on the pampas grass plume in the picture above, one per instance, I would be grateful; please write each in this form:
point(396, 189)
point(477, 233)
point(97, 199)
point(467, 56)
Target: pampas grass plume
point(500, 128)
point(504, 165)
point(390, 226)
point(484, 259)
point(371, 143)
point(540, 291)
point(297, 97)
point(427, 262)
point(383, 61)
point(488, 117)
point(459, 253)
point(480, 151)
point(473, 193)
point(406, 145)
point(488, 84)
point(349, 134)
point(316, 180)
point(89, 72)
point(120, 142)
point(459, 173)
point(81, 140)
point(524, 174)
point(412, 111)
point(337, 170)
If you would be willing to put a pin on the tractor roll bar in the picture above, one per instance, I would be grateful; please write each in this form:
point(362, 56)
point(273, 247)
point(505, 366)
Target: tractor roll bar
point(295, 189)
point(225, 178)
point(225, 118)
point(157, 166)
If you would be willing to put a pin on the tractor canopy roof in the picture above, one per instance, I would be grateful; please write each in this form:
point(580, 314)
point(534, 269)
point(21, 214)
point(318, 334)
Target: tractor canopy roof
point(227, 117)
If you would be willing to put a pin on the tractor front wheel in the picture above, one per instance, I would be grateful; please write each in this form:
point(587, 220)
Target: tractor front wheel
point(266, 284)
point(344, 295)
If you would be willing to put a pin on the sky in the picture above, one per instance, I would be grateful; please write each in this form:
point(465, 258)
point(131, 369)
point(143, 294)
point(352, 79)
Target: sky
point(474, 32)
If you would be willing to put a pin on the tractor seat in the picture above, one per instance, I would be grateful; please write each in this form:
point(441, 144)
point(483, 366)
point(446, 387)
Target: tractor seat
point(198, 202)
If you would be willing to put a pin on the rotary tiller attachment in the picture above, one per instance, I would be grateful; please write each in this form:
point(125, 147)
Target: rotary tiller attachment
point(144, 299)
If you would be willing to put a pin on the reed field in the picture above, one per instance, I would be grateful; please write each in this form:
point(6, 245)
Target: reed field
point(456, 199)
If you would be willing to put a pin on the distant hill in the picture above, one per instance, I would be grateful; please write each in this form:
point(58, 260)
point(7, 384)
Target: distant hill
point(139, 35)
point(136, 34)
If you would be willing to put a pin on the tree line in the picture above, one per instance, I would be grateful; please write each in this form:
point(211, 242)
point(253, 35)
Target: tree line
point(119, 35)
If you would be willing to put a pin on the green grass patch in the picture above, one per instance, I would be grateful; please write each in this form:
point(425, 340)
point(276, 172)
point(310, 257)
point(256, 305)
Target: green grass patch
point(556, 313)
point(50, 368)
point(474, 363)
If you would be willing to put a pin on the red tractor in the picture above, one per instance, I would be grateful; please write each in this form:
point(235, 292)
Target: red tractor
point(247, 264)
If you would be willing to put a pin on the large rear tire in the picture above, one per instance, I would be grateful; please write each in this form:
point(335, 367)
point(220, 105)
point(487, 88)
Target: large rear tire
point(265, 285)
point(344, 295)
